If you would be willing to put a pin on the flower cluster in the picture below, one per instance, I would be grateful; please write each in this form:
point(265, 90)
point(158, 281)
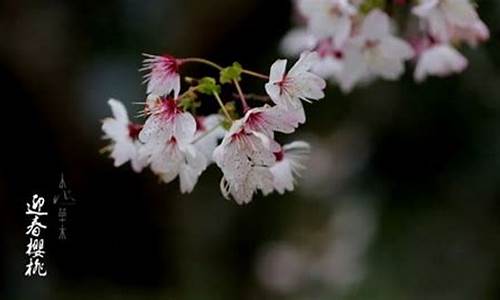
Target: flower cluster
point(348, 41)
point(358, 41)
point(176, 140)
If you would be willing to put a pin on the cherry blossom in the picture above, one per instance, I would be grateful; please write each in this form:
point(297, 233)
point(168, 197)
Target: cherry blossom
point(474, 34)
point(289, 163)
point(373, 52)
point(287, 89)
point(349, 42)
point(330, 58)
point(123, 134)
point(163, 74)
point(247, 151)
point(439, 60)
point(189, 163)
point(167, 121)
point(441, 16)
point(167, 135)
point(329, 18)
point(244, 157)
point(175, 143)
point(355, 39)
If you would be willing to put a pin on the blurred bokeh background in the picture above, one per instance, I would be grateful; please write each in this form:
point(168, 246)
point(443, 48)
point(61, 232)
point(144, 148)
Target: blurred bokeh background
point(401, 199)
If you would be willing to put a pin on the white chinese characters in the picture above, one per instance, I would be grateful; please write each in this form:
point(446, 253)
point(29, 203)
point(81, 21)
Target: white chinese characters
point(35, 248)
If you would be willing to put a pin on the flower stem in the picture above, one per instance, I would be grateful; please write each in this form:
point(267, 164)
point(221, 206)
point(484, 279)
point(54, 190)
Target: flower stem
point(261, 98)
point(206, 133)
point(219, 67)
point(242, 96)
point(219, 100)
point(255, 74)
point(201, 61)
point(189, 90)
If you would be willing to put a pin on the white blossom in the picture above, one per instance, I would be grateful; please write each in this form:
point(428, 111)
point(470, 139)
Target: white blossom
point(439, 60)
point(329, 18)
point(474, 34)
point(329, 63)
point(373, 52)
point(123, 134)
point(247, 151)
point(289, 163)
point(167, 136)
point(441, 16)
point(287, 89)
point(163, 76)
point(244, 157)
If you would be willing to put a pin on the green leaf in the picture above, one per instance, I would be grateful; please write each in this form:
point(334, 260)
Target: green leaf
point(231, 73)
point(208, 86)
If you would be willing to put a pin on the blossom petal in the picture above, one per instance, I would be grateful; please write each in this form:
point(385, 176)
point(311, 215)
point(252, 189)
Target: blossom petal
point(282, 177)
point(140, 159)
point(123, 152)
point(396, 48)
point(284, 172)
point(438, 27)
point(184, 127)
point(119, 110)
point(376, 25)
point(284, 120)
point(440, 60)
point(343, 30)
point(195, 163)
point(277, 72)
point(274, 92)
point(208, 138)
point(354, 70)
point(459, 12)
point(310, 86)
point(306, 61)
point(156, 130)
point(166, 161)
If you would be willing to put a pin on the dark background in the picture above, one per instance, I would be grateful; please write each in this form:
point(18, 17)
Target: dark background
point(401, 199)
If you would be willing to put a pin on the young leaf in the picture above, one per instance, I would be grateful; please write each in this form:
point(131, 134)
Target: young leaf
point(208, 86)
point(231, 73)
